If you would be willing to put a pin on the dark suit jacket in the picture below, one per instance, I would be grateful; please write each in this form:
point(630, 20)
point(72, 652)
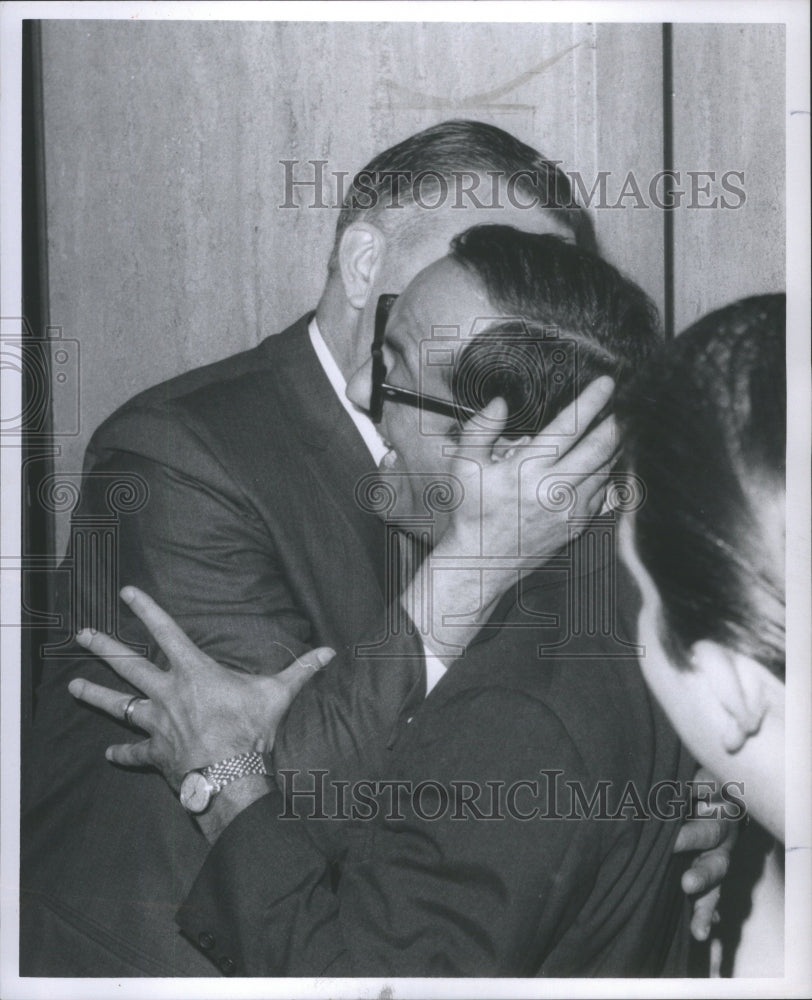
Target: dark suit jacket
point(442, 888)
point(251, 538)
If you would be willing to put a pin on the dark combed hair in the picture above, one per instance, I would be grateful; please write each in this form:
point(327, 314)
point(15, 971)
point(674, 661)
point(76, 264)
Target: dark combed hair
point(448, 150)
point(570, 317)
point(704, 426)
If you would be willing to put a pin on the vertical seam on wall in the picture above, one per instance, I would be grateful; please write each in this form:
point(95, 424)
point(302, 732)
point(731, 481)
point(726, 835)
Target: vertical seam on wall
point(39, 445)
point(668, 181)
point(38, 126)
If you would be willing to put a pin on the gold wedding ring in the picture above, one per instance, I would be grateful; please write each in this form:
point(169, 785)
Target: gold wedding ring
point(130, 708)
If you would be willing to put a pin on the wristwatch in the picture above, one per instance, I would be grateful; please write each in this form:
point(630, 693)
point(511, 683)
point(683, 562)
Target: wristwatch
point(200, 786)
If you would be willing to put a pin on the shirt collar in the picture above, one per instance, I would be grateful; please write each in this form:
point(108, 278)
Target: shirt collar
point(435, 668)
point(363, 424)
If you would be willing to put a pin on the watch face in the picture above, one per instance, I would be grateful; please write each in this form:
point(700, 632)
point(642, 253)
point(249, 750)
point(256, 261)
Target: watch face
point(195, 792)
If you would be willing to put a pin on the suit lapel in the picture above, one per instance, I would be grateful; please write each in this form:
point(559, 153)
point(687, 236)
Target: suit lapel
point(329, 440)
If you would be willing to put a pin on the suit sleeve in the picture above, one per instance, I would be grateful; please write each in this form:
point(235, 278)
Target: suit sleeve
point(200, 549)
point(197, 546)
point(345, 719)
point(478, 890)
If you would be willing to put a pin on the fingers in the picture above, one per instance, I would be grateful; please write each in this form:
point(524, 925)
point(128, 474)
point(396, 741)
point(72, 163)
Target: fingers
point(135, 669)
point(703, 835)
point(580, 413)
point(485, 427)
point(597, 449)
point(592, 492)
point(170, 637)
point(113, 703)
point(715, 838)
point(301, 670)
point(706, 872)
point(705, 914)
point(130, 754)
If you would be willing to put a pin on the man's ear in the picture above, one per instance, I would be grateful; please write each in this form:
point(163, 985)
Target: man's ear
point(359, 254)
point(739, 688)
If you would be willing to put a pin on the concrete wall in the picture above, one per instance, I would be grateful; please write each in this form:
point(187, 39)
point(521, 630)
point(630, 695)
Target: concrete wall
point(167, 246)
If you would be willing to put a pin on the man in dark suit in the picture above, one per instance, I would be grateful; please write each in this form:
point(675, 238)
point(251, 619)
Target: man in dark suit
point(456, 854)
point(251, 536)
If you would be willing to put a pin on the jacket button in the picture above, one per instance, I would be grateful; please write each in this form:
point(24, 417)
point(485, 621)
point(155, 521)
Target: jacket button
point(227, 965)
point(206, 941)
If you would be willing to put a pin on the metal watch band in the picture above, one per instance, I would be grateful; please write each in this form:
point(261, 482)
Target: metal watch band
point(225, 771)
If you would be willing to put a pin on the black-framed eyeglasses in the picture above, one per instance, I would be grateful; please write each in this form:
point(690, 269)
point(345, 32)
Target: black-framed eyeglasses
point(381, 389)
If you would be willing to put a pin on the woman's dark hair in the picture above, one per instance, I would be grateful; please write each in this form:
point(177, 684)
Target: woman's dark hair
point(574, 317)
point(704, 427)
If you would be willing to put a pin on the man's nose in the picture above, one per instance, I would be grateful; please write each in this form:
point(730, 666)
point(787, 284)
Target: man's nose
point(359, 387)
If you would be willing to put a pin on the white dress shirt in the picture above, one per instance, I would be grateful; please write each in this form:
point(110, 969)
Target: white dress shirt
point(377, 449)
point(364, 426)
